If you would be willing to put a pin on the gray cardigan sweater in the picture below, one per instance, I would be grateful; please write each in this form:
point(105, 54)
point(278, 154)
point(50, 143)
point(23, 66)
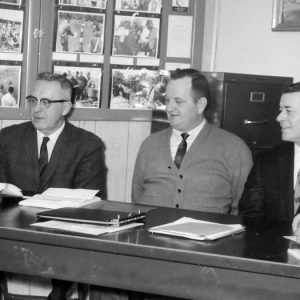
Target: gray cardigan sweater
point(211, 177)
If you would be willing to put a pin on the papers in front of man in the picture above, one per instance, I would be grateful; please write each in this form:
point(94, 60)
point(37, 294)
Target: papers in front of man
point(62, 197)
point(197, 229)
point(10, 190)
point(83, 228)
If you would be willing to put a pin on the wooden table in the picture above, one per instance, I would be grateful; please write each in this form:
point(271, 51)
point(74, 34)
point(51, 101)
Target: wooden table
point(249, 265)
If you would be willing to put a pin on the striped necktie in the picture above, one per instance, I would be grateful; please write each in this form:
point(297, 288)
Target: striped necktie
point(43, 160)
point(181, 150)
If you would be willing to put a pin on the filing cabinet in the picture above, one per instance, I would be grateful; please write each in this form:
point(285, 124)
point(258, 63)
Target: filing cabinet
point(248, 105)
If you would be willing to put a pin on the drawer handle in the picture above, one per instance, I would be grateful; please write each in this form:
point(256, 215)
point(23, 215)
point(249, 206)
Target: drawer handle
point(249, 122)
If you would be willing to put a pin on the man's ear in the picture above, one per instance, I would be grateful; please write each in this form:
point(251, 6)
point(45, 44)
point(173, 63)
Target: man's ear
point(67, 107)
point(201, 104)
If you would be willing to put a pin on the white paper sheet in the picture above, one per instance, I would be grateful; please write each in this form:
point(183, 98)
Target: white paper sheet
point(62, 197)
point(84, 228)
point(179, 36)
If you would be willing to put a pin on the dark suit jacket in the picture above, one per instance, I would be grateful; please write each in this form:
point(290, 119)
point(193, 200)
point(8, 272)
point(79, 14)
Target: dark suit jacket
point(77, 160)
point(269, 189)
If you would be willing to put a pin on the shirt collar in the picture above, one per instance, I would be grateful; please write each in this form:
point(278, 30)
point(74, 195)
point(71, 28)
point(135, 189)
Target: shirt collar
point(194, 132)
point(297, 149)
point(53, 136)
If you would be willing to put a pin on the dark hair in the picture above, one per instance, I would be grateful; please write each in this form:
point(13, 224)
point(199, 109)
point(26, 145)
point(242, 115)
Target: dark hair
point(83, 79)
point(116, 90)
point(64, 82)
point(200, 85)
point(149, 22)
point(291, 88)
point(10, 89)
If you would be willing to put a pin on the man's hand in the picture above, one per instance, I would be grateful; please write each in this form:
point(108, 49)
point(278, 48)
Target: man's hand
point(296, 228)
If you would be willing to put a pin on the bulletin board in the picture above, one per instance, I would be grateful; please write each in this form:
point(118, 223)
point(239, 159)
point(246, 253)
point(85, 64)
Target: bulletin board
point(101, 40)
point(135, 39)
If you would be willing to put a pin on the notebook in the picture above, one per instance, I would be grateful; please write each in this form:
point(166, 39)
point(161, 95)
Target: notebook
point(197, 229)
point(91, 216)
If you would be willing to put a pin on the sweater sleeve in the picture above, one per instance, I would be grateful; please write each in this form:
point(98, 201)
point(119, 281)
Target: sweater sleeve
point(138, 178)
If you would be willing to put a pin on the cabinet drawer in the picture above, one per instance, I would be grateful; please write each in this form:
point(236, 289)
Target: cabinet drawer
point(250, 111)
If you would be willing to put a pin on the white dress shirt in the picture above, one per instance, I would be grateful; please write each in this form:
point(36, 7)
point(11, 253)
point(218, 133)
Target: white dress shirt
point(176, 138)
point(296, 170)
point(51, 143)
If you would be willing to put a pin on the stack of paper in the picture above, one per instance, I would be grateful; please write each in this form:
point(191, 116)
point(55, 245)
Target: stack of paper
point(61, 197)
point(197, 229)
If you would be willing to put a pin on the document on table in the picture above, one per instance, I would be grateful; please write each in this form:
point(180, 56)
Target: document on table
point(62, 197)
point(84, 228)
point(293, 251)
point(197, 229)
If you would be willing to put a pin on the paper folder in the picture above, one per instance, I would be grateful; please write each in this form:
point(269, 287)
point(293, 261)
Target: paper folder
point(91, 216)
point(197, 229)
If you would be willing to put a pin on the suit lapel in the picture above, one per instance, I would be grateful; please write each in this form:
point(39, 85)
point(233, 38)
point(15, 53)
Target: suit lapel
point(31, 154)
point(286, 175)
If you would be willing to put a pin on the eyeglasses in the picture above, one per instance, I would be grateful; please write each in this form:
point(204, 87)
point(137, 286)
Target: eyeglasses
point(32, 101)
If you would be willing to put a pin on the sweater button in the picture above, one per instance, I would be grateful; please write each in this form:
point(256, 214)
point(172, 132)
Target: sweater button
point(177, 205)
point(179, 190)
point(169, 167)
point(180, 176)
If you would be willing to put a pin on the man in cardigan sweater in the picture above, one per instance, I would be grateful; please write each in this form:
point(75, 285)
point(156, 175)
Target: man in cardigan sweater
point(214, 169)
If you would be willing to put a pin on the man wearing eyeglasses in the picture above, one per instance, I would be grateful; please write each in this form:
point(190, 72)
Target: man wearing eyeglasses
point(72, 157)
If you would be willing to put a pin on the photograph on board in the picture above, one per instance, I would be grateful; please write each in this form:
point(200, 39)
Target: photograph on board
point(180, 5)
point(12, 2)
point(136, 36)
point(86, 82)
point(286, 15)
point(80, 32)
point(10, 78)
point(148, 6)
point(85, 3)
point(137, 89)
point(11, 26)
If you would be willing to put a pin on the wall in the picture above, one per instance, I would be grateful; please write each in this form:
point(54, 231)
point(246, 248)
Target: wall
point(238, 38)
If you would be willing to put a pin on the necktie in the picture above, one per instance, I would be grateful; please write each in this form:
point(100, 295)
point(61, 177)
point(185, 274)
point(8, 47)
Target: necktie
point(297, 193)
point(181, 150)
point(43, 160)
